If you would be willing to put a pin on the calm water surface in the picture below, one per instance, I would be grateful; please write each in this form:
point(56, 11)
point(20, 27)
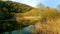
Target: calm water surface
point(23, 31)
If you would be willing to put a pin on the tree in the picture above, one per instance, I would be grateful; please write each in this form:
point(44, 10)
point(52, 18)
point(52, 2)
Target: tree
point(58, 6)
point(41, 6)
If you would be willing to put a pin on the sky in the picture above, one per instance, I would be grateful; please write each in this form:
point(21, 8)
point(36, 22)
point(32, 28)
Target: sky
point(34, 3)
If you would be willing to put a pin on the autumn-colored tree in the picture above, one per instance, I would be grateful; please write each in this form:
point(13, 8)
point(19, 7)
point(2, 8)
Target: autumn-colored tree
point(49, 23)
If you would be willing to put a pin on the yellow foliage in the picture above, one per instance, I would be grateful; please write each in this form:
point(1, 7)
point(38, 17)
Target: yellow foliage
point(33, 12)
point(49, 24)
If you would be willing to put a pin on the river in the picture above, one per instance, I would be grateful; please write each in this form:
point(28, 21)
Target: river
point(23, 31)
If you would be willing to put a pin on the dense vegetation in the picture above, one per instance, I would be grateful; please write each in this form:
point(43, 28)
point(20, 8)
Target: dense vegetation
point(8, 9)
point(46, 20)
point(49, 22)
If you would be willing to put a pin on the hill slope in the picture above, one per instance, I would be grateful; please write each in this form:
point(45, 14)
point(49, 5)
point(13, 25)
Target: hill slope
point(8, 9)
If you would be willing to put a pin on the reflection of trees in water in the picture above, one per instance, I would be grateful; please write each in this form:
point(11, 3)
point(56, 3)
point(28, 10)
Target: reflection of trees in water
point(9, 26)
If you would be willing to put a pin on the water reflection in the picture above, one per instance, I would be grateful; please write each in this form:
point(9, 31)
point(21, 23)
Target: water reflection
point(23, 31)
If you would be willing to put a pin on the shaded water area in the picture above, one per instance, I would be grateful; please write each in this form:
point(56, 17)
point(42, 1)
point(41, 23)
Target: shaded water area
point(22, 31)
